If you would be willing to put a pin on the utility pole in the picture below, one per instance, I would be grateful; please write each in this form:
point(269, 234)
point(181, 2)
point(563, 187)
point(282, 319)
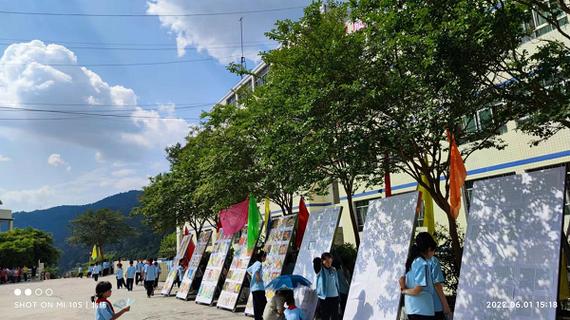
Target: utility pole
point(242, 61)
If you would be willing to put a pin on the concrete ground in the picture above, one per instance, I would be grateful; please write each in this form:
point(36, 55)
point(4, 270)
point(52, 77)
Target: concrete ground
point(70, 299)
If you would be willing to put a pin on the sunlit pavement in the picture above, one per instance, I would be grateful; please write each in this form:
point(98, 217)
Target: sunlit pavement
point(70, 299)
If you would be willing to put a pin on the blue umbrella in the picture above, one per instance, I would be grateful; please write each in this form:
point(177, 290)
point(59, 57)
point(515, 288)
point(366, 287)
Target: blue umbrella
point(288, 282)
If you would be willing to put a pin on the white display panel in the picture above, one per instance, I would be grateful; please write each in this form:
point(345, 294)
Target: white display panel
point(318, 238)
point(374, 290)
point(511, 257)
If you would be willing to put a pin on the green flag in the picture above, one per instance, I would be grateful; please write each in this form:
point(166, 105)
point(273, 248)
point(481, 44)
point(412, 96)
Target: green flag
point(253, 218)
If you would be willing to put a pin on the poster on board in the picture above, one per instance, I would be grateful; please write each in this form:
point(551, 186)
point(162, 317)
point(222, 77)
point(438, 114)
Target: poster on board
point(388, 231)
point(169, 283)
point(190, 274)
point(236, 275)
point(511, 257)
point(276, 246)
point(318, 238)
point(214, 269)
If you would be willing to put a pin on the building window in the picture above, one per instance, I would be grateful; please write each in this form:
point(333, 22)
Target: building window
point(232, 99)
point(361, 209)
point(4, 225)
point(468, 189)
point(481, 120)
point(261, 76)
point(538, 25)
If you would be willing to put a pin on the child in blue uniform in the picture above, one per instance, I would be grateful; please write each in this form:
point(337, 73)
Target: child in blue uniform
point(104, 309)
point(417, 287)
point(119, 275)
point(328, 289)
point(131, 271)
point(257, 287)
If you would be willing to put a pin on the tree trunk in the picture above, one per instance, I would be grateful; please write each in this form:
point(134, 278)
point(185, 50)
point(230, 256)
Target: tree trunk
point(353, 217)
point(455, 245)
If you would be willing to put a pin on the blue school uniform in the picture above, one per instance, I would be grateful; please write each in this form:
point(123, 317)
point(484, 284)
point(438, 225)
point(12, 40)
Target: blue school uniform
point(119, 273)
point(103, 311)
point(294, 314)
point(420, 275)
point(131, 270)
point(150, 273)
point(252, 270)
point(327, 283)
point(180, 272)
point(437, 277)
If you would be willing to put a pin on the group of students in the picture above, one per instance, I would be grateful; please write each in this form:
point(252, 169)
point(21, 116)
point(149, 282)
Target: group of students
point(13, 275)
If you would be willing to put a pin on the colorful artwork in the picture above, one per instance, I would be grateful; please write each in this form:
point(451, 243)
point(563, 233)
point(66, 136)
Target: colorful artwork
point(276, 247)
point(169, 283)
point(214, 269)
point(189, 275)
point(234, 280)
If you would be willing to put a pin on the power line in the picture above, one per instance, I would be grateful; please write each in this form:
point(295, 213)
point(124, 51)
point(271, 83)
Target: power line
point(136, 64)
point(114, 43)
point(76, 14)
point(114, 106)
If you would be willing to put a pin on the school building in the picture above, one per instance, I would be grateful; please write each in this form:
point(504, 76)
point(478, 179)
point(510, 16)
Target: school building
point(6, 220)
point(518, 157)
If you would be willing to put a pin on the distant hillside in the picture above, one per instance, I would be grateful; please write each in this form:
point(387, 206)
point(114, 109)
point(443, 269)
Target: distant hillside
point(56, 221)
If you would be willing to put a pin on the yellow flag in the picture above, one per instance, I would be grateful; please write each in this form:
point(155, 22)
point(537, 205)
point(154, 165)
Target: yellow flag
point(429, 220)
point(94, 253)
point(267, 216)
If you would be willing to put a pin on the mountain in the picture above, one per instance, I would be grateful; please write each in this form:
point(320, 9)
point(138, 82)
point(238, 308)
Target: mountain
point(56, 221)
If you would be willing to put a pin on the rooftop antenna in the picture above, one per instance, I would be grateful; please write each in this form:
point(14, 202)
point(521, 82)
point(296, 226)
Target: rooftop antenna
point(242, 61)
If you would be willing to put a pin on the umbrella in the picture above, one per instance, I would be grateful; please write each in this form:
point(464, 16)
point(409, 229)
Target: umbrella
point(288, 282)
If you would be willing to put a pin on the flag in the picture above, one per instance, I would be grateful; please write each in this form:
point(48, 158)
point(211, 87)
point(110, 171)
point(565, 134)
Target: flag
point(186, 232)
point(190, 249)
point(302, 220)
point(253, 218)
point(387, 180)
point(267, 219)
point(234, 218)
point(429, 221)
point(457, 175)
point(94, 253)
point(99, 254)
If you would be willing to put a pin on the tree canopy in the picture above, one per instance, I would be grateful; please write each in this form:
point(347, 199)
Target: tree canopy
point(24, 247)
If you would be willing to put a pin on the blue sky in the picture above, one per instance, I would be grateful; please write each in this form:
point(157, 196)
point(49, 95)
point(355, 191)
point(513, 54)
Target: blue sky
point(48, 158)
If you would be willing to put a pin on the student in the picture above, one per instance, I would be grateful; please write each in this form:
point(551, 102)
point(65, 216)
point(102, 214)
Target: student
point(179, 274)
point(157, 274)
point(343, 283)
point(104, 309)
point(149, 276)
point(440, 305)
point(417, 285)
point(80, 272)
point(90, 271)
point(96, 272)
point(119, 274)
point(328, 289)
point(257, 287)
point(138, 275)
point(292, 312)
point(131, 270)
point(275, 307)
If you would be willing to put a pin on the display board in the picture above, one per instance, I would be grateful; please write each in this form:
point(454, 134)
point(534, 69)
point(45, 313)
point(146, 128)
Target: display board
point(169, 283)
point(193, 265)
point(236, 275)
point(214, 269)
point(511, 257)
point(276, 246)
point(385, 242)
point(318, 238)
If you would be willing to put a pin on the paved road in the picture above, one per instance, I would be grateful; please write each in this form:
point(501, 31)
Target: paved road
point(69, 299)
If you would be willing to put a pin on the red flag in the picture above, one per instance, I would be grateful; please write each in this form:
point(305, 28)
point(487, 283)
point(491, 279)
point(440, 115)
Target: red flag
point(186, 232)
point(302, 220)
point(218, 225)
point(235, 217)
point(190, 250)
point(457, 175)
point(387, 181)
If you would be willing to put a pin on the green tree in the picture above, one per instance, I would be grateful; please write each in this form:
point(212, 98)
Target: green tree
point(429, 67)
point(313, 100)
point(101, 227)
point(168, 246)
point(24, 247)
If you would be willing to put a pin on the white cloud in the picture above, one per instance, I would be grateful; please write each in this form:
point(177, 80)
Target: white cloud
point(28, 74)
point(4, 158)
point(219, 35)
point(56, 160)
point(99, 157)
point(123, 173)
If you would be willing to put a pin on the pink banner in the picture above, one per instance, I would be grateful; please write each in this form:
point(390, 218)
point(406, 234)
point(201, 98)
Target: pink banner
point(234, 217)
